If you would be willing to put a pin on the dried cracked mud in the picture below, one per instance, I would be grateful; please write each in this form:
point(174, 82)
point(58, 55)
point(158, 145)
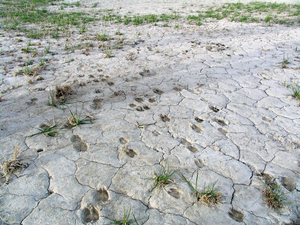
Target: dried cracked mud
point(207, 98)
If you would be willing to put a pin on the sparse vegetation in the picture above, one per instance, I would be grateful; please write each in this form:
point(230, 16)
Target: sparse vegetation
point(208, 196)
point(47, 129)
point(75, 119)
point(12, 165)
point(163, 177)
point(274, 195)
point(126, 219)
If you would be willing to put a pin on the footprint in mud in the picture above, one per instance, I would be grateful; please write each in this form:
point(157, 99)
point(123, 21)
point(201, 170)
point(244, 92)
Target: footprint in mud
point(131, 153)
point(153, 99)
point(147, 73)
point(142, 108)
point(76, 138)
point(139, 99)
point(78, 144)
point(177, 89)
point(110, 83)
point(97, 103)
point(132, 105)
point(236, 215)
point(156, 133)
point(123, 140)
point(174, 193)
point(157, 91)
point(81, 146)
point(215, 109)
point(183, 141)
point(197, 128)
point(192, 148)
point(90, 214)
point(200, 163)
point(223, 131)
point(101, 195)
point(199, 120)
point(165, 118)
point(221, 121)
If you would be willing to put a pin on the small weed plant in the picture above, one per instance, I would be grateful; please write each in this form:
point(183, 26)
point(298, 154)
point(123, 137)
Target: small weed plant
point(47, 129)
point(274, 195)
point(76, 120)
point(163, 177)
point(209, 196)
point(12, 165)
point(126, 219)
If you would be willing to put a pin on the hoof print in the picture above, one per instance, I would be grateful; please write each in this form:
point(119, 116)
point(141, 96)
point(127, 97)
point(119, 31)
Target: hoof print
point(192, 148)
point(174, 193)
point(184, 141)
point(81, 146)
point(131, 153)
point(199, 120)
point(140, 109)
point(151, 100)
point(101, 195)
point(200, 163)
point(289, 183)
point(223, 131)
point(165, 118)
point(197, 128)
point(221, 121)
point(215, 109)
point(177, 89)
point(123, 140)
point(90, 214)
point(110, 83)
point(156, 133)
point(97, 103)
point(39, 150)
point(139, 99)
point(146, 107)
point(236, 215)
point(147, 73)
point(157, 91)
point(132, 105)
point(75, 138)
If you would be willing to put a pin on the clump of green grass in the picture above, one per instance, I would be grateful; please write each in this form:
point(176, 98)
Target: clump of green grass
point(163, 177)
point(12, 165)
point(126, 220)
point(47, 129)
point(76, 120)
point(102, 37)
point(208, 196)
point(274, 194)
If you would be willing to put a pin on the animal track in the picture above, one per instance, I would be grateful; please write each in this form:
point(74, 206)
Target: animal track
point(101, 195)
point(151, 100)
point(199, 120)
point(197, 128)
point(174, 193)
point(142, 108)
point(90, 214)
point(131, 153)
point(139, 99)
point(165, 118)
point(192, 148)
point(221, 121)
point(215, 109)
point(200, 162)
point(157, 91)
point(123, 140)
point(97, 103)
point(184, 141)
point(78, 144)
point(236, 215)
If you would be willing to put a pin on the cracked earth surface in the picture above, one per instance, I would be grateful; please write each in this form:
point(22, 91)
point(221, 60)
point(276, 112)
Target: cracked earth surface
point(208, 98)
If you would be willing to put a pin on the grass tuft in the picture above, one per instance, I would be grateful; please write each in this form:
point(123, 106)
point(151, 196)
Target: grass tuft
point(75, 119)
point(12, 165)
point(274, 194)
point(209, 196)
point(126, 220)
point(47, 129)
point(163, 177)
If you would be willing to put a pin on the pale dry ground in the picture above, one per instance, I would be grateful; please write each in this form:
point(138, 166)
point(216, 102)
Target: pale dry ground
point(211, 99)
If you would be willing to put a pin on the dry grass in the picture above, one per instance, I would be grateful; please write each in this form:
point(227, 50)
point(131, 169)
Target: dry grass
point(12, 165)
